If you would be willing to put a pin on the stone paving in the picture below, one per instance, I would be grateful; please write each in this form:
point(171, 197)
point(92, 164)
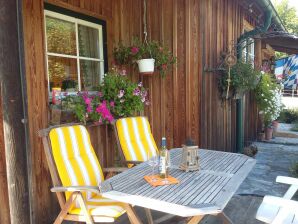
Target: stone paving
point(274, 158)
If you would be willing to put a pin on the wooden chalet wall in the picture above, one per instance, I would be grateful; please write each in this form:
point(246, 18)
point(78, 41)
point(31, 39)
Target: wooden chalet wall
point(222, 27)
point(4, 211)
point(184, 105)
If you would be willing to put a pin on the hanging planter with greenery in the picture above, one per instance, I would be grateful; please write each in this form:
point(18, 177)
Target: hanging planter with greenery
point(243, 78)
point(148, 55)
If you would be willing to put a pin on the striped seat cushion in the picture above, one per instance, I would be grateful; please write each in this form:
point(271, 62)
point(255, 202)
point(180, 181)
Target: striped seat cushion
point(135, 138)
point(101, 206)
point(75, 158)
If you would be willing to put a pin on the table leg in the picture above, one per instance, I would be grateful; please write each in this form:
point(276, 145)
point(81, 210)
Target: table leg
point(133, 218)
point(149, 216)
point(195, 219)
point(224, 218)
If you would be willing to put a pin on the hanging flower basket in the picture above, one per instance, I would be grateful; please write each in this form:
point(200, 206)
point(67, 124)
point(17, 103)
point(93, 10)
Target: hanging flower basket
point(146, 66)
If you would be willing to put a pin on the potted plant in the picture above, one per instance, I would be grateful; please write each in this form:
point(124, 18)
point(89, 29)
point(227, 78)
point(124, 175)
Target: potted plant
point(115, 97)
point(268, 98)
point(268, 132)
point(243, 78)
point(127, 98)
point(147, 55)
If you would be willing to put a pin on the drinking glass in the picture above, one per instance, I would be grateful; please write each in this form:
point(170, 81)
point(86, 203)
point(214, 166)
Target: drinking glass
point(153, 162)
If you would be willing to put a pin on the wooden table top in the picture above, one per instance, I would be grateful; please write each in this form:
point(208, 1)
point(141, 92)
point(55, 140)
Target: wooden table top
point(206, 191)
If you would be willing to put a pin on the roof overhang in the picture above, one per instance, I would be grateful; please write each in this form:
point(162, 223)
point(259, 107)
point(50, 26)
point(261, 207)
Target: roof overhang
point(280, 41)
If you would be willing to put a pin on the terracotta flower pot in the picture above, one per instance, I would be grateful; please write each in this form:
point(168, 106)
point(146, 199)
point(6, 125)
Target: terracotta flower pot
point(275, 124)
point(268, 133)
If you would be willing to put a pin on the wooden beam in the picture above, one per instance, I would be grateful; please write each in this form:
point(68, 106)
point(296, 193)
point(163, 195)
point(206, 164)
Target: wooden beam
point(13, 111)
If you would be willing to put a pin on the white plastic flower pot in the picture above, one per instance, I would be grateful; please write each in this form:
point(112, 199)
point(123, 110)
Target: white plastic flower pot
point(146, 66)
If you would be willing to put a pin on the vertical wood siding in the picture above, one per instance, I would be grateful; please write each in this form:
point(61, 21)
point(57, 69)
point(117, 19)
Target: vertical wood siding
point(4, 211)
point(184, 105)
point(221, 28)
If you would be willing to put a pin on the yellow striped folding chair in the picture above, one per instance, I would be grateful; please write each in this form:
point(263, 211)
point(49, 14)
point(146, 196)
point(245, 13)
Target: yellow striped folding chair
point(134, 139)
point(77, 175)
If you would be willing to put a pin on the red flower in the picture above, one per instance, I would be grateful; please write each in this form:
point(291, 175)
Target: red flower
point(134, 50)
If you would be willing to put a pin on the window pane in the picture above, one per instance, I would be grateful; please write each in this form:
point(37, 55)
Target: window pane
point(61, 36)
point(63, 73)
point(90, 74)
point(88, 42)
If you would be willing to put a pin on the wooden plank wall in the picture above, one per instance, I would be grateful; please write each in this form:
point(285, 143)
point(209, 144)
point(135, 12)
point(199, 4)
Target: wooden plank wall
point(183, 105)
point(222, 27)
point(4, 211)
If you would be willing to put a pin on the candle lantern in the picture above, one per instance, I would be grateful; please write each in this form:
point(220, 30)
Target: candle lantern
point(190, 158)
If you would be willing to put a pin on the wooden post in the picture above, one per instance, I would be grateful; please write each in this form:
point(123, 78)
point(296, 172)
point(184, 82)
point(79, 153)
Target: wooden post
point(13, 111)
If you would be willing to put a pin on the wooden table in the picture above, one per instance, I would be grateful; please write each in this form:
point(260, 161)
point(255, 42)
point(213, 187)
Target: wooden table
point(199, 193)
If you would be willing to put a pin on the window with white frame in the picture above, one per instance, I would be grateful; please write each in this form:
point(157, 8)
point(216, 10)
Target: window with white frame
point(74, 50)
point(248, 51)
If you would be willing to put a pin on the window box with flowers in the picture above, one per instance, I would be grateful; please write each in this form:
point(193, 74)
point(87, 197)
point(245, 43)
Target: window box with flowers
point(148, 55)
point(115, 97)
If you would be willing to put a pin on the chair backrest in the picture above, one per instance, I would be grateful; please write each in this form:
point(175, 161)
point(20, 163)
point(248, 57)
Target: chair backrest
point(135, 138)
point(71, 151)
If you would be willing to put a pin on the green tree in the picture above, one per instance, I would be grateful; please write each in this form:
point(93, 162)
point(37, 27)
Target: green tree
point(287, 14)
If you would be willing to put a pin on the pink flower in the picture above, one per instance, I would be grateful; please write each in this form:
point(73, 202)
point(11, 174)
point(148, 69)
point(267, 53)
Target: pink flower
point(89, 109)
point(104, 112)
point(140, 84)
point(100, 94)
point(136, 92)
point(134, 50)
point(87, 100)
point(144, 93)
point(143, 99)
point(112, 103)
point(123, 72)
point(121, 93)
point(147, 103)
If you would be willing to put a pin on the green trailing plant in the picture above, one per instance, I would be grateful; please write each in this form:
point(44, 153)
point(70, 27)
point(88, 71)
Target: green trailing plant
point(243, 78)
point(122, 54)
point(268, 98)
point(128, 97)
point(164, 59)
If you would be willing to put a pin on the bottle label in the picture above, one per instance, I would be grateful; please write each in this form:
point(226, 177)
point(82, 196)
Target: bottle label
point(162, 165)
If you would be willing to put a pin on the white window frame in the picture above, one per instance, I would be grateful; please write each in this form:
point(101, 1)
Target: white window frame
point(77, 22)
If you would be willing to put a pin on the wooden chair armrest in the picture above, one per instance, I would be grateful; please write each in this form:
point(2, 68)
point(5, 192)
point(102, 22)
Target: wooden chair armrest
point(287, 180)
point(282, 202)
point(93, 189)
point(133, 162)
point(114, 169)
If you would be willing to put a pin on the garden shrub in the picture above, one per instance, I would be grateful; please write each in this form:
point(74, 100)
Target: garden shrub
point(288, 116)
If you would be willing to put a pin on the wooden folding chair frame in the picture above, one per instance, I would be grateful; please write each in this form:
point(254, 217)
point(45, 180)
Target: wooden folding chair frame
point(129, 162)
point(76, 191)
